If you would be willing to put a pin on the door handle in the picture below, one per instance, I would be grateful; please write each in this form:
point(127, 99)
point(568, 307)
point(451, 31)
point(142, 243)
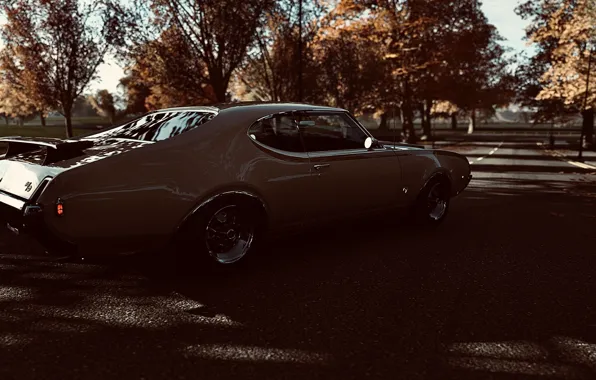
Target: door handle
point(321, 166)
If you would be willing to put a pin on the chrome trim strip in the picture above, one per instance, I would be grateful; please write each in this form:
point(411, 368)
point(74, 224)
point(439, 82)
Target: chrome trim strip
point(11, 201)
point(120, 139)
point(279, 151)
point(344, 152)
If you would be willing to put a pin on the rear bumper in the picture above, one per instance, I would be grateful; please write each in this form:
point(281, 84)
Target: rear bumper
point(28, 221)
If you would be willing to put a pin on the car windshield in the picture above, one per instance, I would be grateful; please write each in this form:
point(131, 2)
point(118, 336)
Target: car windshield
point(158, 126)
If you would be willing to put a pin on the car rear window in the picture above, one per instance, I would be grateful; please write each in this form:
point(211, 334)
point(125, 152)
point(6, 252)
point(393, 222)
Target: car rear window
point(158, 126)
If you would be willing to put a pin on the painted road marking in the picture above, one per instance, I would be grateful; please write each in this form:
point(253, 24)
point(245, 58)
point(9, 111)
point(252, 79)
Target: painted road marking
point(561, 157)
point(489, 153)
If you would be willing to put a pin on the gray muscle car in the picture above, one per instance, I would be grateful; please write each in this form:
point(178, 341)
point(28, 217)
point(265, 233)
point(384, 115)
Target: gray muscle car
point(216, 179)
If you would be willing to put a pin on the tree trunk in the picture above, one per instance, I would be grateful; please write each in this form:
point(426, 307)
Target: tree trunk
point(422, 117)
point(408, 114)
point(383, 125)
point(408, 124)
point(219, 85)
point(588, 128)
point(427, 126)
point(43, 119)
point(454, 120)
point(68, 122)
point(6, 120)
point(472, 125)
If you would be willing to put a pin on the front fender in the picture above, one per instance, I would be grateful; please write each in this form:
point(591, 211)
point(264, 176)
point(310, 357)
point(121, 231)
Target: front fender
point(458, 167)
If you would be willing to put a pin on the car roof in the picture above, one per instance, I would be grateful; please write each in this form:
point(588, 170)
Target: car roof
point(266, 107)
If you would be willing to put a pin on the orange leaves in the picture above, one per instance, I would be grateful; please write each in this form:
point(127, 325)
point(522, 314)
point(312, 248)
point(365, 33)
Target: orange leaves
point(568, 32)
point(167, 72)
point(58, 44)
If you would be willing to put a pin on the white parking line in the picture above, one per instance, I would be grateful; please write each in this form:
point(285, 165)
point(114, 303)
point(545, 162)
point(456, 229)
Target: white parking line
point(489, 153)
point(562, 158)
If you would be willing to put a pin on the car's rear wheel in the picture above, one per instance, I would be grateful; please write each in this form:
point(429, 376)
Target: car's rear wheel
point(222, 234)
point(432, 205)
point(229, 234)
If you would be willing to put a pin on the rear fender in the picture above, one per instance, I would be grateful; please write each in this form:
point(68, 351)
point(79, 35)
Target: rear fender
point(245, 194)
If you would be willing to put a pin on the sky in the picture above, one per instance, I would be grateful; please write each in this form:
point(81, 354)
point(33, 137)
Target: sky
point(499, 13)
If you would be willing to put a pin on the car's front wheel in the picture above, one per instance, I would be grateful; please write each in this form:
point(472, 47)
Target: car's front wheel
point(432, 205)
point(223, 233)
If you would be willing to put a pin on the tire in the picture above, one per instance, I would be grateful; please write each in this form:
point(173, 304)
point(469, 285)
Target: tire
point(222, 234)
point(432, 204)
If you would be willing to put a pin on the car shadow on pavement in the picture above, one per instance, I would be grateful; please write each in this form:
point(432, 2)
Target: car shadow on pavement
point(502, 289)
point(509, 265)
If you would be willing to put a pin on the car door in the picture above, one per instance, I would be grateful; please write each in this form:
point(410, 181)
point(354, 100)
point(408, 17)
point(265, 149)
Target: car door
point(282, 173)
point(349, 178)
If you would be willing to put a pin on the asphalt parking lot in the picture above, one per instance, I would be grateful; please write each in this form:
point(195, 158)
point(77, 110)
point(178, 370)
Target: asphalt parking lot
point(504, 289)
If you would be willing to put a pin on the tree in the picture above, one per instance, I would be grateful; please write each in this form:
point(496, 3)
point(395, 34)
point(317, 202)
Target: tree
point(434, 51)
point(82, 107)
point(60, 44)
point(216, 32)
point(529, 75)
point(105, 104)
point(271, 70)
point(445, 108)
point(565, 34)
point(135, 94)
point(165, 72)
point(15, 104)
point(474, 75)
point(20, 81)
point(396, 28)
point(351, 68)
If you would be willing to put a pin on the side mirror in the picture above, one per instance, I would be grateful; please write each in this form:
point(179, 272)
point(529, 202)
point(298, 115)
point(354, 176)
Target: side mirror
point(368, 143)
point(306, 123)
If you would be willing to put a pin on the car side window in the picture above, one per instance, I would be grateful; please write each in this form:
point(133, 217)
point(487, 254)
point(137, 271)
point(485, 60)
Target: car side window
point(330, 132)
point(278, 132)
point(159, 126)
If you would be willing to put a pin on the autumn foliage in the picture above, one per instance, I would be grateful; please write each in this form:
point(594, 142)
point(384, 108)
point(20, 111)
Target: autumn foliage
point(564, 31)
point(412, 59)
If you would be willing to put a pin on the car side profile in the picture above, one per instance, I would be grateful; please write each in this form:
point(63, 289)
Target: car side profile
point(216, 177)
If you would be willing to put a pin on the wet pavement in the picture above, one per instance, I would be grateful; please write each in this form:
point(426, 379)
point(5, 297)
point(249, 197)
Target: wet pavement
point(503, 289)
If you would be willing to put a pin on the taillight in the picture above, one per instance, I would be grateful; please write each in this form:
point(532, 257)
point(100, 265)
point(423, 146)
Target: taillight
point(59, 207)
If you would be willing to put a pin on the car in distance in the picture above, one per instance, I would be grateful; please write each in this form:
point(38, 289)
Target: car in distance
point(215, 179)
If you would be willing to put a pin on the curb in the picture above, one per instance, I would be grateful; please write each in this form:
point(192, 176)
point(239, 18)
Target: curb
point(562, 157)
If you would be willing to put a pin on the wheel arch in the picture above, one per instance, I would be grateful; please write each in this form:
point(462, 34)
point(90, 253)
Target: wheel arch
point(246, 194)
point(441, 174)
